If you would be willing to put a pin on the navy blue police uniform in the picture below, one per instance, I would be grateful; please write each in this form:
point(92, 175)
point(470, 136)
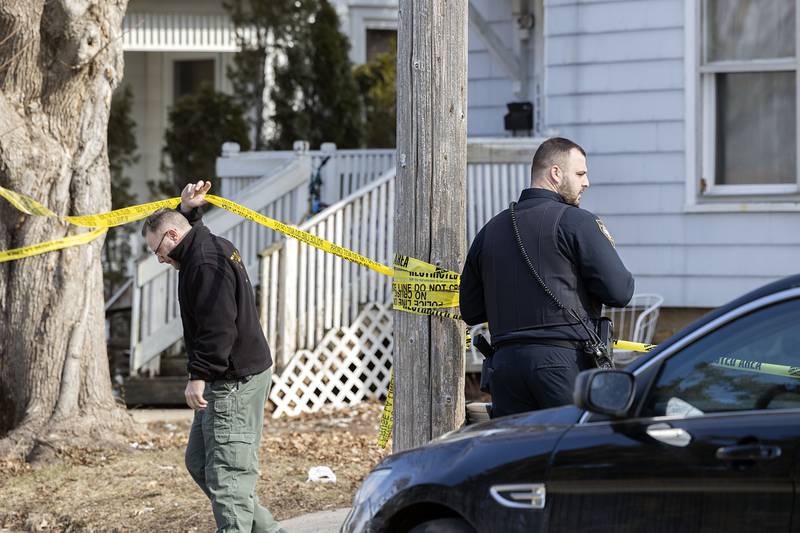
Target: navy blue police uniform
point(539, 346)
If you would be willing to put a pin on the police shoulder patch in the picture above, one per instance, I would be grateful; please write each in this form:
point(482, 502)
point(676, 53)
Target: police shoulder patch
point(605, 232)
point(235, 257)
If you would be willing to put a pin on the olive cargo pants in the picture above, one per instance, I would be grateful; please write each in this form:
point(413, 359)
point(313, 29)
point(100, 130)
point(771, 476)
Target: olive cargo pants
point(222, 453)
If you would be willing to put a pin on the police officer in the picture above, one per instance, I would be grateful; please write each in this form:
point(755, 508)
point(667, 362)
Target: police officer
point(539, 345)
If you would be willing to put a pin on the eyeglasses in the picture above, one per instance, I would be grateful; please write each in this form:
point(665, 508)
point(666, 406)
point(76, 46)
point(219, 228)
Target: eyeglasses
point(160, 242)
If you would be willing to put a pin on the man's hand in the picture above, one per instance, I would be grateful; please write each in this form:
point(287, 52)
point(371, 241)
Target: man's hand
point(194, 195)
point(194, 394)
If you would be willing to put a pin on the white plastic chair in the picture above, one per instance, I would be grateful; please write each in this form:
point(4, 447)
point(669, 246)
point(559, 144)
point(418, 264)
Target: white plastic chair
point(636, 322)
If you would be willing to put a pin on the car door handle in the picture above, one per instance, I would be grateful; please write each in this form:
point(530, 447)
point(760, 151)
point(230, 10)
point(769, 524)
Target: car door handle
point(669, 435)
point(748, 452)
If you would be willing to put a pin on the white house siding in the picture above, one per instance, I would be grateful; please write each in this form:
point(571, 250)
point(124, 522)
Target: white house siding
point(150, 76)
point(490, 87)
point(358, 16)
point(615, 84)
point(149, 73)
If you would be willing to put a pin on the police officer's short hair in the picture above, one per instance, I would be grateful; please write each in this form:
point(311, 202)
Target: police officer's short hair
point(552, 152)
point(162, 217)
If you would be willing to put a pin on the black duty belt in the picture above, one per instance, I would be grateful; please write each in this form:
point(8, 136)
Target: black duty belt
point(560, 343)
point(230, 377)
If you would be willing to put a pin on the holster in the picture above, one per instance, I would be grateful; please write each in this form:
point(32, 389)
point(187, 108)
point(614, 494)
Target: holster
point(602, 352)
point(483, 346)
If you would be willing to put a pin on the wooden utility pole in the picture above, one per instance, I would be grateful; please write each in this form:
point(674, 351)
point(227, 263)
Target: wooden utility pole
point(430, 217)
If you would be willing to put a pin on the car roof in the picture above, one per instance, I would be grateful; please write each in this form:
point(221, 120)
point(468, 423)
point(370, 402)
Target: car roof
point(780, 285)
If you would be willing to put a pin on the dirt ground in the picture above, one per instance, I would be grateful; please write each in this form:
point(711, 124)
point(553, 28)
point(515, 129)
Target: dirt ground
point(149, 489)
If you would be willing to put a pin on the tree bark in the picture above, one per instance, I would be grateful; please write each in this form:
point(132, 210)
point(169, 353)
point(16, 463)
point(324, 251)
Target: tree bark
point(430, 220)
point(60, 61)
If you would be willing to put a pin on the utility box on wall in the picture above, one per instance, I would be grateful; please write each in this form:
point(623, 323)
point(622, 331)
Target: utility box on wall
point(519, 119)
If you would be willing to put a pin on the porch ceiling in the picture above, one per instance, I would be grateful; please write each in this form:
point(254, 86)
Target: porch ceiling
point(179, 32)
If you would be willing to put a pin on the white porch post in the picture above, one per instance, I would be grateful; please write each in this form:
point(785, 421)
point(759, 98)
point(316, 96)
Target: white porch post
point(330, 175)
point(229, 149)
point(287, 303)
point(301, 204)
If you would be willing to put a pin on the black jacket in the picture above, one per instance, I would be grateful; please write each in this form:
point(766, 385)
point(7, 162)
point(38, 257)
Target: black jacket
point(223, 335)
point(573, 253)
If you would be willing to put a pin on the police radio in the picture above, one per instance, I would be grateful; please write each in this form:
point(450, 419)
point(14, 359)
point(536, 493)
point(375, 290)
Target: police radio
point(602, 348)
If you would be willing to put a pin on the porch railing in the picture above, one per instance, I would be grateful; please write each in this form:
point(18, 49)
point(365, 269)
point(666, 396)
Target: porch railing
point(343, 171)
point(273, 183)
point(156, 323)
point(308, 292)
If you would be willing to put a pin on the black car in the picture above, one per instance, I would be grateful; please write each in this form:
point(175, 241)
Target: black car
point(700, 435)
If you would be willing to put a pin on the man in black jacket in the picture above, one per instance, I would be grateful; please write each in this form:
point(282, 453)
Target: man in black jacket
point(229, 361)
point(539, 345)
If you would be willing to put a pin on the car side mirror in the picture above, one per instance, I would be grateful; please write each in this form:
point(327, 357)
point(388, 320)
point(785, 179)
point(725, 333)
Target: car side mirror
point(608, 392)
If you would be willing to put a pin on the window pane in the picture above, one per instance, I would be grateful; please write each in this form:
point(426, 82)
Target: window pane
point(756, 128)
point(696, 381)
point(192, 75)
point(380, 42)
point(749, 29)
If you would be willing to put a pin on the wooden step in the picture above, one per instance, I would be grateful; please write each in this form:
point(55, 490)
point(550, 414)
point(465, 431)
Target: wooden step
point(173, 366)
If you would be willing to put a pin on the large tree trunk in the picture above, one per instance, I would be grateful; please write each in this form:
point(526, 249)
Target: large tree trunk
point(60, 61)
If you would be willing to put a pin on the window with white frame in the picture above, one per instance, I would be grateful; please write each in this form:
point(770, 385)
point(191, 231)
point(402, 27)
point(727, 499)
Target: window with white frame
point(748, 69)
point(380, 42)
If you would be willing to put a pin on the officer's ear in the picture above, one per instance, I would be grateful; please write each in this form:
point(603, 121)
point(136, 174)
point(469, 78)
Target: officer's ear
point(173, 234)
point(556, 174)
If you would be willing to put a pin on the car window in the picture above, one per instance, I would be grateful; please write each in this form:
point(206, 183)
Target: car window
point(750, 363)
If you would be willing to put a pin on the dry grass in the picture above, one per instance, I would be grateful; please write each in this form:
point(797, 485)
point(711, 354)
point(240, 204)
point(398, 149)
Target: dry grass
point(149, 489)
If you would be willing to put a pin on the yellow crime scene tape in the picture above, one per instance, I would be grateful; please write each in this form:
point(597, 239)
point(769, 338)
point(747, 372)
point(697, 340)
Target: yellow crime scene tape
point(758, 367)
point(387, 416)
point(424, 289)
point(117, 217)
point(51, 246)
point(632, 346)
point(300, 235)
point(100, 223)
point(418, 287)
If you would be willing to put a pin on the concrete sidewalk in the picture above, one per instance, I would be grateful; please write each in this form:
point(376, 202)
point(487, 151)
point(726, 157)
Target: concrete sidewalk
point(146, 416)
point(321, 522)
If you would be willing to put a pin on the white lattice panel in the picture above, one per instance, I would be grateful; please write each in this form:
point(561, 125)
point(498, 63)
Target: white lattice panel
point(349, 365)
